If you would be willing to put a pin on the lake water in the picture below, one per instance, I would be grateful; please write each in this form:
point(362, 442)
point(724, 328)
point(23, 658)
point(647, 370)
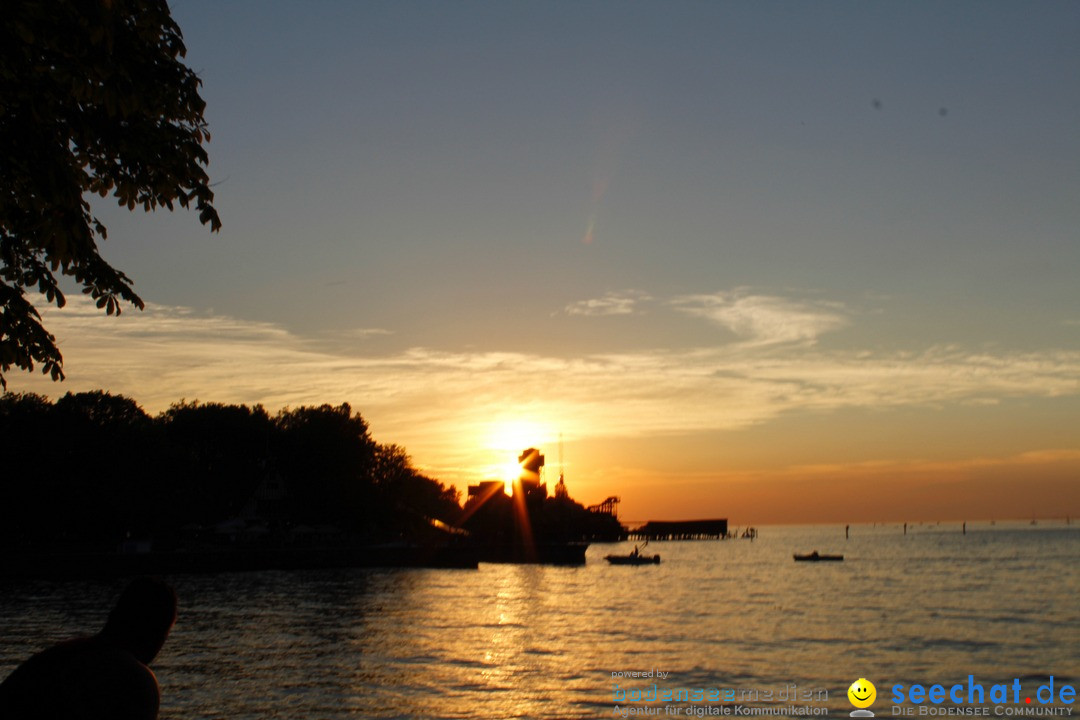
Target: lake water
point(1000, 603)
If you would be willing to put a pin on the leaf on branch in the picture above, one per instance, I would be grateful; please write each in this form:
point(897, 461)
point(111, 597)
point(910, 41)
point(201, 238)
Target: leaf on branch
point(95, 100)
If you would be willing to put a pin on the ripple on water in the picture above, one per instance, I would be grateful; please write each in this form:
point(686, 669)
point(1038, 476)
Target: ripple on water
point(528, 641)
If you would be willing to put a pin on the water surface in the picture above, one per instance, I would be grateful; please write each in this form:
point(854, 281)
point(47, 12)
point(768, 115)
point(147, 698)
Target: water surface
point(518, 641)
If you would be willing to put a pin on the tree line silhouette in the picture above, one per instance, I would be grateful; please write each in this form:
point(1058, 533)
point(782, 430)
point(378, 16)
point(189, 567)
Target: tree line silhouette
point(93, 470)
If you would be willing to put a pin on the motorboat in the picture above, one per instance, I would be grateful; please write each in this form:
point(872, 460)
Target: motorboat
point(634, 558)
point(817, 557)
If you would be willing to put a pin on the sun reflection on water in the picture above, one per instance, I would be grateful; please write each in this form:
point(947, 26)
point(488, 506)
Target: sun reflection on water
point(515, 641)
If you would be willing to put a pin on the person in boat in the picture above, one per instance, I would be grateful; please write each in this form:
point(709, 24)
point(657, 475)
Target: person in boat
point(635, 552)
point(104, 677)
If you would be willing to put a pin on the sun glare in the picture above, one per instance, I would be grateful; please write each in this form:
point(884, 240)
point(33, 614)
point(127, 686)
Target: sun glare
point(506, 440)
point(511, 472)
point(516, 435)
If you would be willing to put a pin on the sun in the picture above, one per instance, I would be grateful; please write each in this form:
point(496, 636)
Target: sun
point(506, 440)
point(510, 473)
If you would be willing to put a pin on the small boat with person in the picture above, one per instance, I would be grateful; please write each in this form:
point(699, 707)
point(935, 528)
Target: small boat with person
point(634, 558)
point(817, 557)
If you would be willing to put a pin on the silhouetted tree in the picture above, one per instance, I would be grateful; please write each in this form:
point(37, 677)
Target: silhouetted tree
point(83, 470)
point(93, 468)
point(221, 454)
point(406, 497)
point(103, 410)
point(93, 99)
point(326, 456)
point(106, 466)
point(26, 431)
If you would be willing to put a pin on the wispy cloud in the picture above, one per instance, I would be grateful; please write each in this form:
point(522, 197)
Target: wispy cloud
point(764, 319)
point(937, 468)
point(624, 302)
point(438, 403)
point(365, 333)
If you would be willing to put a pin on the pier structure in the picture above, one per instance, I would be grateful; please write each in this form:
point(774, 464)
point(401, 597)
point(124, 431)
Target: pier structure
point(681, 530)
point(608, 507)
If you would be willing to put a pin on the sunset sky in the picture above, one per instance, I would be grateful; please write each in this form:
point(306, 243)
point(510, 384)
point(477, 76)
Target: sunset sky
point(776, 262)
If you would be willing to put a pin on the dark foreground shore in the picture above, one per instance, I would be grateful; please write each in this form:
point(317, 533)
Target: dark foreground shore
point(91, 565)
point(80, 565)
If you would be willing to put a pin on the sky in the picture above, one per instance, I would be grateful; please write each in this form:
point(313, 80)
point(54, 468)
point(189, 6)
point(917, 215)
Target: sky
point(769, 261)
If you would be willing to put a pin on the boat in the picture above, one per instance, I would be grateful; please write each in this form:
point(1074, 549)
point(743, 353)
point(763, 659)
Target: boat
point(633, 559)
point(816, 557)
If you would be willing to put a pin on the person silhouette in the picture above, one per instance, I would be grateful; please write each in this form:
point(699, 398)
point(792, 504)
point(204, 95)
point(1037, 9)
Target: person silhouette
point(103, 676)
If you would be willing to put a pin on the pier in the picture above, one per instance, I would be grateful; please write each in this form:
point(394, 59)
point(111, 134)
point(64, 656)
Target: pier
point(681, 530)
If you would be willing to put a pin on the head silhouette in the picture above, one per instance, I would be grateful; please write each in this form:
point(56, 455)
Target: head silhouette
point(141, 620)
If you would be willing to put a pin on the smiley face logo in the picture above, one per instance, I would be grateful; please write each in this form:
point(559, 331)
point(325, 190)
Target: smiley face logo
point(862, 693)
